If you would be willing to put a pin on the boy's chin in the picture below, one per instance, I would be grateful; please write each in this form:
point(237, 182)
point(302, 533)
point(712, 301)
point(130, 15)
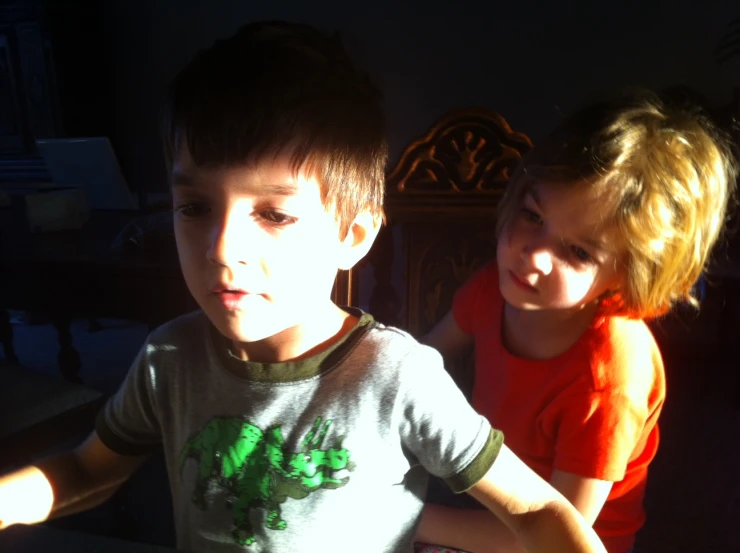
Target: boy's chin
point(239, 330)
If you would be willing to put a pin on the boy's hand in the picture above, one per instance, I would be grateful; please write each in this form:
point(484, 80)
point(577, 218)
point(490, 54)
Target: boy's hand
point(25, 496)
point(65, 484)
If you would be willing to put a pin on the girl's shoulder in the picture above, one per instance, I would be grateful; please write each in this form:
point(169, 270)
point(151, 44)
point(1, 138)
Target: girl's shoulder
point(623, 355)
point(483, 278)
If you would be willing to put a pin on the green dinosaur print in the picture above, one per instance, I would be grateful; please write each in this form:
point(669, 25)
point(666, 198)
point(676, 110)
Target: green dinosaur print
point(256, 472)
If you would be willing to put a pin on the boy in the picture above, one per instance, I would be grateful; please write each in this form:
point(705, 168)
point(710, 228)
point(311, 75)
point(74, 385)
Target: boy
point(285, 420)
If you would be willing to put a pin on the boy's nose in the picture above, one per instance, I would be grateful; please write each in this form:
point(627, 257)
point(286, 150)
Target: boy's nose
point(229, 243)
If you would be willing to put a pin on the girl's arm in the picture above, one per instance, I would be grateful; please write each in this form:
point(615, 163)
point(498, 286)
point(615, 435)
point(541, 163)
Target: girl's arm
point(447, 337)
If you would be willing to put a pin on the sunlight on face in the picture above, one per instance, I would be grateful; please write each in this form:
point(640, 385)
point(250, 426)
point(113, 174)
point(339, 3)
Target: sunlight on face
point(558, 252)
point(258, 249)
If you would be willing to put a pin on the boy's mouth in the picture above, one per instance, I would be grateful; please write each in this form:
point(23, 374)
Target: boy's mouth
point(232, 299)
point(226, 289)
point(230, 291)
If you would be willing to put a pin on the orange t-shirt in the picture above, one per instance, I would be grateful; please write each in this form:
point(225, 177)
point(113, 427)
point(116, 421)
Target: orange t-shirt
point(591, 411)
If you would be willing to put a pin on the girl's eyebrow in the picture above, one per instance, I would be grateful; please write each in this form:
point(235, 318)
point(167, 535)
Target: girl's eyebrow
point(532, 193)
point(593, 242)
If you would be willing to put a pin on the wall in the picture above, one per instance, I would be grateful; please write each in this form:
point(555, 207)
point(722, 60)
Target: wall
point(530, 61)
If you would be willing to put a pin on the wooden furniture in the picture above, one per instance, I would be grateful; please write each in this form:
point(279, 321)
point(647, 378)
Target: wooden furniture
point(442, 198)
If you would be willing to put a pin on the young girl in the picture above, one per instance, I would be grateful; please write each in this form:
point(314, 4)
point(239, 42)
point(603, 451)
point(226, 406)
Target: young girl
point(607, 222)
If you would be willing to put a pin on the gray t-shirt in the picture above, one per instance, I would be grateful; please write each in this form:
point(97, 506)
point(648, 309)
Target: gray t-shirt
point(322, 455)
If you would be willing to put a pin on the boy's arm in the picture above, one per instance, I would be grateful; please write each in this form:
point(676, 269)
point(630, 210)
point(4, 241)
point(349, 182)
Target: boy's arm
point(587, 495)
point(479, 531)
point(538, 515)
point(64, 484)
point(473, 530)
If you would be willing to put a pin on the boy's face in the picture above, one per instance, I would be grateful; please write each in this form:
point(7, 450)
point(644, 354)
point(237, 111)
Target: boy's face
point(556, 253)
point(258, 249)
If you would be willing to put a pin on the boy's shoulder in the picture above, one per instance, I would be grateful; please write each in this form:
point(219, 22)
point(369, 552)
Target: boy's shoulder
point(186, 329)
point(387, 345)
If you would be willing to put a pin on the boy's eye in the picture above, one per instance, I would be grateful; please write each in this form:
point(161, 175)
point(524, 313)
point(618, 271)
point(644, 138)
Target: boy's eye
point(276, 218)
point(581, 254)
point(531, 216)
point(192, 209)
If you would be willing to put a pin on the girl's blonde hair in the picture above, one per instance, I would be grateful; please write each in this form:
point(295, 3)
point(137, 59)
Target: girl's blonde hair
point(669, 172)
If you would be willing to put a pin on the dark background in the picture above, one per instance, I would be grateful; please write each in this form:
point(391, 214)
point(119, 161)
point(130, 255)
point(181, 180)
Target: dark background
point(530, 61)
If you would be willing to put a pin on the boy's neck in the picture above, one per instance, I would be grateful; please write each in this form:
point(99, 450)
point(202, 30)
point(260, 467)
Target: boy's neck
point(544, 334)
point(326, 327)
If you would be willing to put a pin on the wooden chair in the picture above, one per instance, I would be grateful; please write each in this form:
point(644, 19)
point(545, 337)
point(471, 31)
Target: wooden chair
point(442, 198)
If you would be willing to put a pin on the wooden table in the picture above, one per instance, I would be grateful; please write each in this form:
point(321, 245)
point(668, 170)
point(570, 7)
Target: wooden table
point(39, 412)
point(78, 272)
point(41, 539)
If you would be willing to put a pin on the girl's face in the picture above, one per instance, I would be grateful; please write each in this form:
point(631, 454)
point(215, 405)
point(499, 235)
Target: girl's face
point(557, 252)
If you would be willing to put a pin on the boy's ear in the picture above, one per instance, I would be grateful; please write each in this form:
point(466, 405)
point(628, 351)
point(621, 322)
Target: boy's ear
point(359, 239)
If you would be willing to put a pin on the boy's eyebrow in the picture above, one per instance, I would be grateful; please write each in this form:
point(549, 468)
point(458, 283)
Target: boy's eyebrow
point(180, 178)
point(280, 189)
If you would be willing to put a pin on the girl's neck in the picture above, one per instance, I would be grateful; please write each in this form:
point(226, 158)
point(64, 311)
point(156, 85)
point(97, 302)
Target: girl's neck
point(544, 334)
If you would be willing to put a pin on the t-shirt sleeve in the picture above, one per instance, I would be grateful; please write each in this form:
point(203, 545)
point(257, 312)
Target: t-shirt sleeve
point(598, 433)
point(469, 297)
point(439, 427)
point(601, 426)
point(128, 423)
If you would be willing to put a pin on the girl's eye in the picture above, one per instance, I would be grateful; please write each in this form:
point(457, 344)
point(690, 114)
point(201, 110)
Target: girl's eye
point(276, 218)
point(581, 254)
point(192, 209)
point(531, 216)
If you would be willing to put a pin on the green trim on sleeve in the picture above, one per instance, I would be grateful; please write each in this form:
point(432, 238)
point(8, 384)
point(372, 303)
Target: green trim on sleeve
point(471, 475)
point(115, 443)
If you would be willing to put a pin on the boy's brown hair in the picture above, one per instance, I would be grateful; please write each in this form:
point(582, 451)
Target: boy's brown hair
point(275, 87)
point(665, 172)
